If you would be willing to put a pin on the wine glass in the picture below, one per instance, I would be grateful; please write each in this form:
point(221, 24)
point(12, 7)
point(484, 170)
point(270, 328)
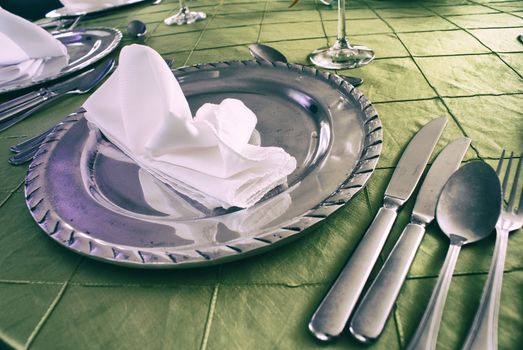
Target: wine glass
point(342, 55)
point(184, 16)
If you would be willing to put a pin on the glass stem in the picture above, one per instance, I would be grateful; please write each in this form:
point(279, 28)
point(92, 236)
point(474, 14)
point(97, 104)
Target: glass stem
point(341, 40)
point(341, 20)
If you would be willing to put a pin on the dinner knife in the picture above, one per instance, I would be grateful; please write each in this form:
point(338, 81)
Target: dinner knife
point(79, 84)
point(335, 309)
point(370, 316)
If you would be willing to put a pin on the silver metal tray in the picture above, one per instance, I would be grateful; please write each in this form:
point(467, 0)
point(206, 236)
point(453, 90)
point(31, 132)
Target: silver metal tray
point(88, 196)
point(67, 12)
point(85, 46)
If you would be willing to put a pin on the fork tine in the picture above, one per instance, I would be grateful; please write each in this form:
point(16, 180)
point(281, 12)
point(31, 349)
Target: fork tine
point(520, 208)
point(514, 187)
point(500, 163)
point(507, 174)
point(520, 205)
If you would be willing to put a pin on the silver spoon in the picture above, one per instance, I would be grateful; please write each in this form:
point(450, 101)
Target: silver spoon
point(468, 209)
point(270, 54)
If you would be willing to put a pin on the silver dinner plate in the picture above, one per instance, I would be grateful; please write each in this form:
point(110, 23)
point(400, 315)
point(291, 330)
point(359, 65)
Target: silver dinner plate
point(88, 196)
point(84, 46)
point(68, 12)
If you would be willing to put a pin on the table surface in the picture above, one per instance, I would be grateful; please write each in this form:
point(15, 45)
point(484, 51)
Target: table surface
point(458, 58)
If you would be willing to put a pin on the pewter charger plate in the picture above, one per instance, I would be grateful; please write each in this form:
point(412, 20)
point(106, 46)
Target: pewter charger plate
point(88, 196)
point(84, 46)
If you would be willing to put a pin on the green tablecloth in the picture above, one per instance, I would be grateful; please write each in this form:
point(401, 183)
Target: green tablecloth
point(458, 58)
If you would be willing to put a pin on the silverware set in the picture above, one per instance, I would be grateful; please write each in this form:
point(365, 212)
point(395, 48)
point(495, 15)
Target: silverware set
point(14, 111)
point(467, 205)
point(371, 315)
point(330, 318)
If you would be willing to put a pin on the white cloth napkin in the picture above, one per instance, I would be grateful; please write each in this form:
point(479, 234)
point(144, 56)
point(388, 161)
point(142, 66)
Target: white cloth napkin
point(86, 5)
point(143, 111)
point(27, 51)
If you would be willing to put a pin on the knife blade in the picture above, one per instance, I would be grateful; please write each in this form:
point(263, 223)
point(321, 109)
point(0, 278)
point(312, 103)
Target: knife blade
point(412, 163)
point(79, 84)
point(372, 313)
point(335, 309)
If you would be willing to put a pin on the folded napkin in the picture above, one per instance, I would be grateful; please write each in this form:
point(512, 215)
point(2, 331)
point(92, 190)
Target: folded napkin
point(141, 109)
point(27, 51)
point(86, 5)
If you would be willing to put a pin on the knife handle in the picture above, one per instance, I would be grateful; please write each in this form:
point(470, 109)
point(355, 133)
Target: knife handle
point(9, 122)
point(372, 313)
point(334, 311)
point(24, 106)
point(21, 99)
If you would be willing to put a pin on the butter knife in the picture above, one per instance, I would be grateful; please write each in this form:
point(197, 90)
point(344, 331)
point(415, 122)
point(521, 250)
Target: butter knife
point(334, 311)
point(372, 313)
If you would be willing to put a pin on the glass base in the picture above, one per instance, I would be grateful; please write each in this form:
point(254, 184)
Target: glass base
point(346, 57)
point(185, 16)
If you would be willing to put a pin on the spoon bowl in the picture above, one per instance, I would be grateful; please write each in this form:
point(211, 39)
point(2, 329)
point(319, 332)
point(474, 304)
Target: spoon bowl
point(470, 203)
point(136, 29)
point(266, 53)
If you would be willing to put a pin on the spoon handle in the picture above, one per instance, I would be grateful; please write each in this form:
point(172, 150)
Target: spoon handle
point(371, 315)
point(484, 331)
point(426, 335)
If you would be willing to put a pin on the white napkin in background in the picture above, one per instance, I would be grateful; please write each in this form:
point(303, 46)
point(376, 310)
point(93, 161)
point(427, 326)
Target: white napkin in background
point(27, 51)
point(86, 5)
point(143, 111)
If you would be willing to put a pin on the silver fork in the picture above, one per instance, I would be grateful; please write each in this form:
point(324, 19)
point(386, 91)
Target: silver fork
point(484, 331)
point(26, 150)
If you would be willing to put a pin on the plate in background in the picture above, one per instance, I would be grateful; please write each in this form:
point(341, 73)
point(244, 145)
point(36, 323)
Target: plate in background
point(84, 46)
